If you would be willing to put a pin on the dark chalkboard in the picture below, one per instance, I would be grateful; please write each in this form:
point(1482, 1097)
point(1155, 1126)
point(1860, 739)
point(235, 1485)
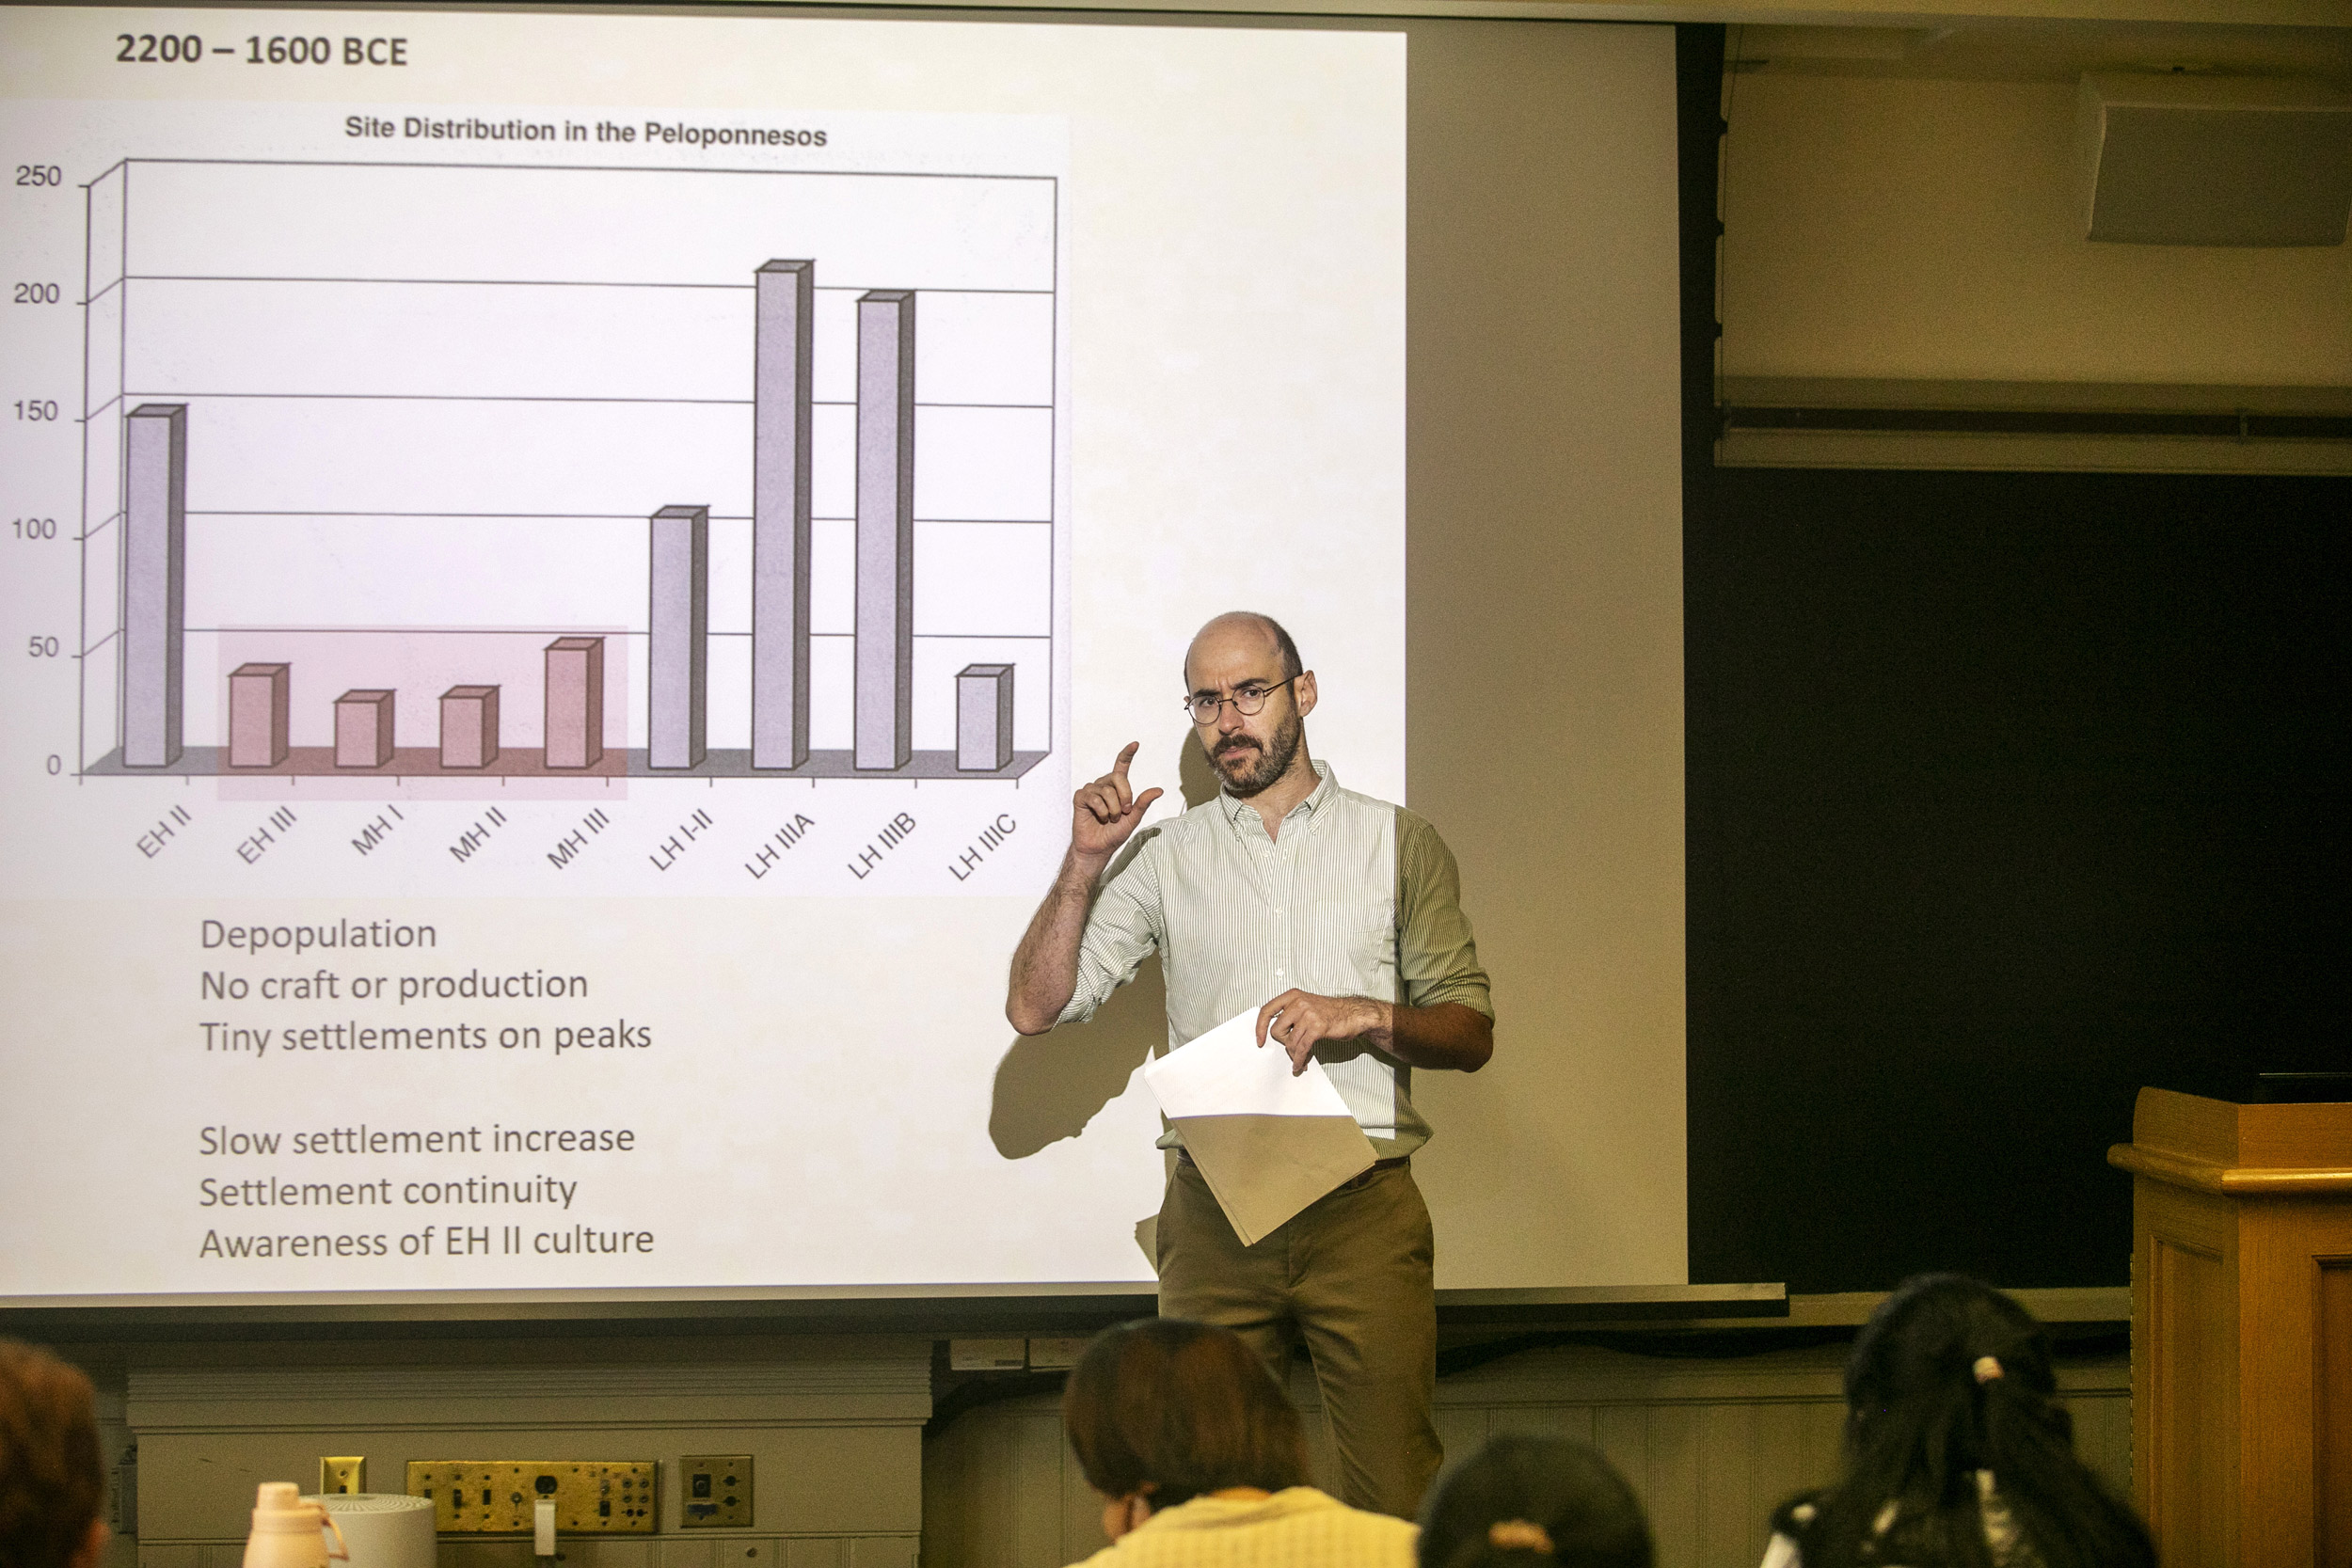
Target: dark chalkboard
point(2009, 794)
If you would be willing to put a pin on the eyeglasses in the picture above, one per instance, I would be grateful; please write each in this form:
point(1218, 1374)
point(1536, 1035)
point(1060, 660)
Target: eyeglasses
point(1248, 700)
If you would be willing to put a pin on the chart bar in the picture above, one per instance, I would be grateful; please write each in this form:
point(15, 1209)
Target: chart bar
point(783, 340)
point(363, 729)
point(678, 648)
point(883, 717)
point(154, 581)
point(470, 726)
point(574, 701)
point(258, 706)
point(984, 718)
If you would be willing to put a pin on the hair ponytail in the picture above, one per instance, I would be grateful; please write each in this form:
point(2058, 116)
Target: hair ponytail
point(1476, 1551)
point(2058, 1503)
point(1951, 1381)
point(1533, 1502)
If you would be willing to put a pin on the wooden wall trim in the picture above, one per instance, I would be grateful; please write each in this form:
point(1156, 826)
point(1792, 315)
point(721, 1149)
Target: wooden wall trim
point(892, 1388)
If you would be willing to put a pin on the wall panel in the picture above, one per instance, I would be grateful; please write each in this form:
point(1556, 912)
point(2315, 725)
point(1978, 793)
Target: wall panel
point(833, 1427)
point(1712, 1447)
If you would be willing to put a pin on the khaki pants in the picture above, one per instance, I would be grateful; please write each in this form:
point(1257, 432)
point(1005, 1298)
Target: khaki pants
point(1349, 1275)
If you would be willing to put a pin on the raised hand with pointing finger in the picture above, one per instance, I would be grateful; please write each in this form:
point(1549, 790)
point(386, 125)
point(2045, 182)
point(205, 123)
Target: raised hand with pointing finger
point(1106, 813)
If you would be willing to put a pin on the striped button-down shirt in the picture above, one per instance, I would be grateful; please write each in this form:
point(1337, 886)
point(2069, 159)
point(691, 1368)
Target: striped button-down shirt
point(1358, 897)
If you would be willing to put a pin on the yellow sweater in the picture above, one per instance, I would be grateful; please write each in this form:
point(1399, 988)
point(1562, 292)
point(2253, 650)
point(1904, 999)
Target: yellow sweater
point(1299, 1527)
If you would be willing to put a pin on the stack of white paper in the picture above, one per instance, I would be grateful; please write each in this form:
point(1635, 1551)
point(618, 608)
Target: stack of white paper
point(1268, 1142)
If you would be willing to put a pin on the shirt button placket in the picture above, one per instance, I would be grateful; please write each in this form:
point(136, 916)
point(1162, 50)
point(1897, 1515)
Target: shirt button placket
point(1278, 922)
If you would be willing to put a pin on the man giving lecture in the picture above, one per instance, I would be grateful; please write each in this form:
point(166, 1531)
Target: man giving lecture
point(1339, 918)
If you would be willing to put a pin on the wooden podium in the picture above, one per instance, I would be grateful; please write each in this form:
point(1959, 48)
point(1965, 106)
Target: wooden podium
point(2242, 1330)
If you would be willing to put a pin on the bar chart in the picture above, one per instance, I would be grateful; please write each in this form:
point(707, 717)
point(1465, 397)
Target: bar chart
point(414, 470)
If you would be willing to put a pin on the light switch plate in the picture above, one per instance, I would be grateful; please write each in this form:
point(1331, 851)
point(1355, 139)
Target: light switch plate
point(347, 1474)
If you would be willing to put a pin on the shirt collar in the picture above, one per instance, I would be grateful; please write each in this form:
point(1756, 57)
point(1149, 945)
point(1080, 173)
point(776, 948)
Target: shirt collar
point(1326, 786)
point(1207, 1512)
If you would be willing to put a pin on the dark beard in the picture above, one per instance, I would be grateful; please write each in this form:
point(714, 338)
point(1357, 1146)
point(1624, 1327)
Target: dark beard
point(1273, 762)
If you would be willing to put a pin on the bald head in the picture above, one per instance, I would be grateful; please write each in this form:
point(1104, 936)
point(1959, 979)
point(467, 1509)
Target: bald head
point(1244, 630)
point(1244, 658)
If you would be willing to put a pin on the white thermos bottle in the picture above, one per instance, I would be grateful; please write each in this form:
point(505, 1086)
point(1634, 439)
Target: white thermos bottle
point(287, 1530)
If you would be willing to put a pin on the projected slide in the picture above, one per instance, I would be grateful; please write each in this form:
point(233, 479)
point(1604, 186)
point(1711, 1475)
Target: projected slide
point(524, 484)
point(559, 572)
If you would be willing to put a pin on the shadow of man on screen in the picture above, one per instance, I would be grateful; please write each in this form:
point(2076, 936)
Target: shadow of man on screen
point(1050, 1086)
point(1194, 775)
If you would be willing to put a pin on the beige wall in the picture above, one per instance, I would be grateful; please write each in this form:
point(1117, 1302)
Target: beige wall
point(1543, 638)
point(1929, 230)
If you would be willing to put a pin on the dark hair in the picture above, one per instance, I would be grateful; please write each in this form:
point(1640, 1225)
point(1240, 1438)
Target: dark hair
point(1924, 1415)
point(1177, 1409)
point(1563, 1488)
point(51, 1478)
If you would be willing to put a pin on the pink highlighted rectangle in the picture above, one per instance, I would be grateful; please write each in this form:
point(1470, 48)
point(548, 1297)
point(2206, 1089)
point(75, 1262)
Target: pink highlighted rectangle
point(257, 713)
point(363, 729)
point(470, 726)
point(575, 696)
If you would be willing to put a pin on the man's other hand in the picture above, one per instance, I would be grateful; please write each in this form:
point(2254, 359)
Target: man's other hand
point(1298, 1020)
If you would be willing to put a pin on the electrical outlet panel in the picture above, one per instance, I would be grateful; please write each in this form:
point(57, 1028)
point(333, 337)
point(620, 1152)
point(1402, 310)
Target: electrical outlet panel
point(348, 1474)
point(1055, 1355)
point(715, 1490)
point(987, 1355)
point(495, 1496)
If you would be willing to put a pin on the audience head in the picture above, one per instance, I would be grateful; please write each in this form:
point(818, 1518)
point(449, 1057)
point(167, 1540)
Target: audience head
point(1531, 1502)
point(1949, 1378)
point(1916, 1382)
point(1163, 1411)
point(53, 1481)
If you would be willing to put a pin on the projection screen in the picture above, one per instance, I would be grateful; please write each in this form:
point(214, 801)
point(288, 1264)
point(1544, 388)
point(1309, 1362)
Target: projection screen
point(564, 567)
